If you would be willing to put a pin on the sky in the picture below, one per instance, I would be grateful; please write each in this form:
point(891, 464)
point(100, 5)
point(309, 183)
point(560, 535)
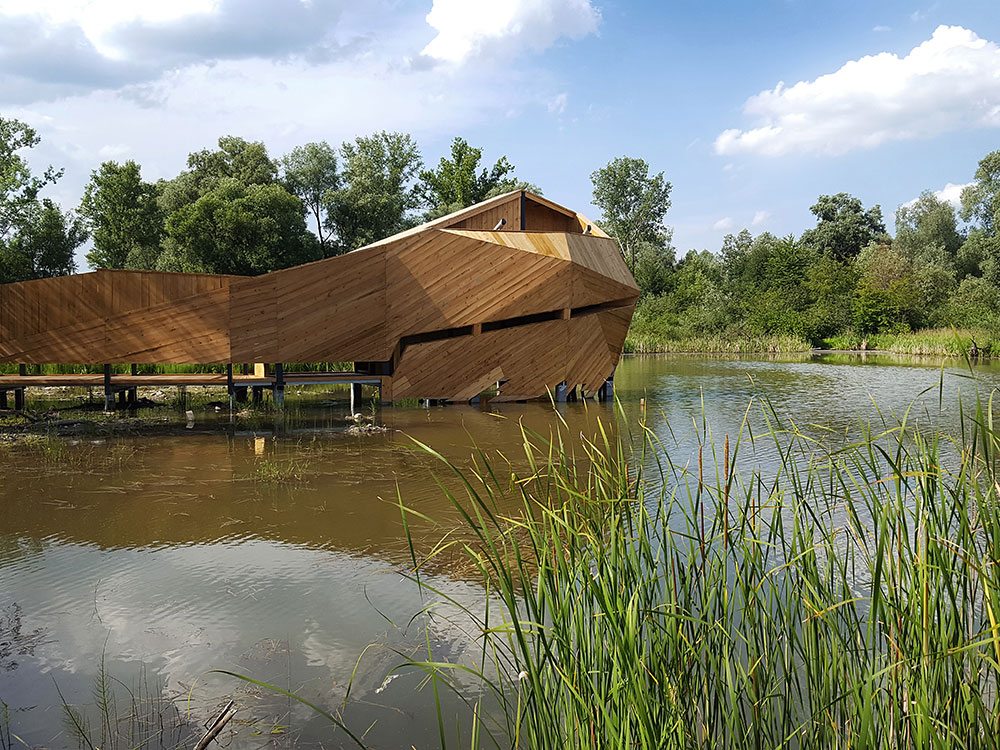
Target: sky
point(751, 110)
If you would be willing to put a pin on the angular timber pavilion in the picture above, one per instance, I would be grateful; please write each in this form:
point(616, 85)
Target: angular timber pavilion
point(516, 290)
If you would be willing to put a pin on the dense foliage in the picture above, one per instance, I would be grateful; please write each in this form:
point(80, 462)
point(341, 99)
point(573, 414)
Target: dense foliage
point(841, 283)
point(36, 238)
point(235, 209)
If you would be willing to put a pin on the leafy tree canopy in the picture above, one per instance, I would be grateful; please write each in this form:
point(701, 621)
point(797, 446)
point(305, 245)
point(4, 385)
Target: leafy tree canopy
point(633, 203)
point(310, 172)
point(18, 186)
point(981, 199)
point(926, 229)
point(844, 226)
point(239, 229)
point(377, 196)
point(43, 245)
point(457, 182)
point(247, 162)
point(124, 218)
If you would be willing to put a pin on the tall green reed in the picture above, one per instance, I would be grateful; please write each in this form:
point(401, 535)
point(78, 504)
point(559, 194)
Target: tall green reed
point(850, 598)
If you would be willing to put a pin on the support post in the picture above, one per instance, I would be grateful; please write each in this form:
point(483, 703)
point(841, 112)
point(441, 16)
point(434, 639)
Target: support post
point(607, 391)
point(133, 392)
point(229, 385)
point(355, 397)
point(279, 386)
point(3, 399)
point(109, 394)
point(19, 392)
point(561, 393)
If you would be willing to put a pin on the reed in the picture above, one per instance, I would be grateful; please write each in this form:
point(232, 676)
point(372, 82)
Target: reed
point(655, 342)
point(848, 599)
point(941, 342)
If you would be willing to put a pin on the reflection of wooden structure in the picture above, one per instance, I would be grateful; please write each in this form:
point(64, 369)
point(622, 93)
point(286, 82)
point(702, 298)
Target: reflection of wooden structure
point(440, 311)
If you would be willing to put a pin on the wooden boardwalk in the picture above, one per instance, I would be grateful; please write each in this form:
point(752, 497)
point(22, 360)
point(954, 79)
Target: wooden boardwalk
point(516, 290)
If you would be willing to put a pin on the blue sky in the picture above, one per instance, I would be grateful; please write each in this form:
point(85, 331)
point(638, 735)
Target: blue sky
point(881, 100)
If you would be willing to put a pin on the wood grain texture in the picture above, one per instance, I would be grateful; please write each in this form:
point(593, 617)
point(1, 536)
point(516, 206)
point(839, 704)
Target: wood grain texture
point(454, 305)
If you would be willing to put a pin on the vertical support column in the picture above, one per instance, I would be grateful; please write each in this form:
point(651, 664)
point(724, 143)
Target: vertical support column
point(561, 392)
point(229, 385)
point(355, 397)
point(19, 392)
point(133, 392)
point(279, 386)
point(607, 391)
point(109, 394)
point(3, 398)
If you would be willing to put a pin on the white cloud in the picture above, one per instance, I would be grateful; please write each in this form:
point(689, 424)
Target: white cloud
point(759, 218)
point(487, 28)
point(950, 193)
point(557, 105)
point(56, 48)
point(724, 224)
point(948, 83)
point(881, 28)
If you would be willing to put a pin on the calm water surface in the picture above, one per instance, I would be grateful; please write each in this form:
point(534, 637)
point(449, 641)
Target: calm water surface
point(171, 553)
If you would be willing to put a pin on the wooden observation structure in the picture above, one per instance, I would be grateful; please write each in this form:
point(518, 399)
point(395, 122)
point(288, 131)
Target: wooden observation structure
point(516, 290)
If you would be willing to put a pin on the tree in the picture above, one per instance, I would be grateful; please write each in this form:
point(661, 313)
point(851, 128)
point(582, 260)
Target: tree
point(43, 244)
point(844, 226)
point(18, 186)
point(654, 267)
point(240, 229)
point(981, 199)
point(247, 162)
point(456, 183)
point(633, 204)
point(310, 172)
point(377, 195)
point(926, 230)
point(123, 215)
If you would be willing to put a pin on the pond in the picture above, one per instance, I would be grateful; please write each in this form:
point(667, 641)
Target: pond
point(275, 548)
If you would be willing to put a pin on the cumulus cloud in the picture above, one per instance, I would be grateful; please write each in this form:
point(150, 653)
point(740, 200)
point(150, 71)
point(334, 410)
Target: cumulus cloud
point(724, 224)
point(759, 218)
point(64, 47)
point(948, 83)
point(486, 28)
point(950, 193)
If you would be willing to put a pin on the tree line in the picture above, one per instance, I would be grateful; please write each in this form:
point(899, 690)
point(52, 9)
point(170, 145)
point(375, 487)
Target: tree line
point(845, 275)
point(234, 209)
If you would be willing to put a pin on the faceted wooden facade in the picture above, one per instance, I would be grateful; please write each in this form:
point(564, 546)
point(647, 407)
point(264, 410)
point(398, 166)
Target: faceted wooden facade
point(440, 311)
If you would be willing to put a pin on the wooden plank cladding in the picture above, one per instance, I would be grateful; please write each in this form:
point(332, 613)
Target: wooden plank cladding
point(444, 309)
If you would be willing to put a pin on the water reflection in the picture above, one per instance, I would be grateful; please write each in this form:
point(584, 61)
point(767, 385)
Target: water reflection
point(276, 548)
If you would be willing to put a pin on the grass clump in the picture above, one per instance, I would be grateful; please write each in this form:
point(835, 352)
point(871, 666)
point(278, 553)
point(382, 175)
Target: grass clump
point(653, 342)
point(849, 599)
point(942, 342)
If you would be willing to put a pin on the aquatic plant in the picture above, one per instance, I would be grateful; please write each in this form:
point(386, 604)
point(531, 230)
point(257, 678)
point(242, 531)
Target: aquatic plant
point(851, 599)
point(139, 718)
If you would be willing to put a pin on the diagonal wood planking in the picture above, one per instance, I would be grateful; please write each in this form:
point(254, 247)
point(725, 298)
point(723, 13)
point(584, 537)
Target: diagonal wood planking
point(556, 304)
